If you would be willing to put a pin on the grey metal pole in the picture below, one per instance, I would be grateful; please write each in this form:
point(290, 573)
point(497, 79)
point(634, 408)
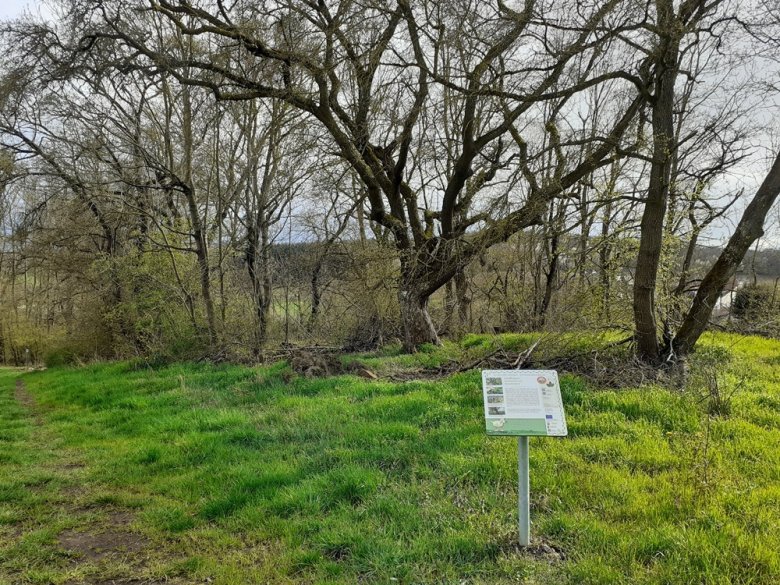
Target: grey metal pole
point(523, 492)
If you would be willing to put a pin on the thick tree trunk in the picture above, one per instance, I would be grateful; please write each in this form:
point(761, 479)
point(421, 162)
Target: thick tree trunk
point(749, 229)
point(651, 239)
point(417, 325)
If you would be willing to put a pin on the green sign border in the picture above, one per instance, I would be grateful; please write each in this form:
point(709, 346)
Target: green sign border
point(535, 427)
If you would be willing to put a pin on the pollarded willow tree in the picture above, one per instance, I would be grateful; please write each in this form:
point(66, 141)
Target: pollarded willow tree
point(461, 119)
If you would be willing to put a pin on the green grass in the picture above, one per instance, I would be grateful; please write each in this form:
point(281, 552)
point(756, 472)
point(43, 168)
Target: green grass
point(241, 475)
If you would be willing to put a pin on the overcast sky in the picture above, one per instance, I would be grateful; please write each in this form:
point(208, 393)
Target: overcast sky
point(11, 8)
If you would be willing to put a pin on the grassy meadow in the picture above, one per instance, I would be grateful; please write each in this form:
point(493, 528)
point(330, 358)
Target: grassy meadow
point(194, 473)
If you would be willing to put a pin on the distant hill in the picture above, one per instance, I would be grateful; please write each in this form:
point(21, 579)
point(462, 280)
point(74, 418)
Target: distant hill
point(765, 263)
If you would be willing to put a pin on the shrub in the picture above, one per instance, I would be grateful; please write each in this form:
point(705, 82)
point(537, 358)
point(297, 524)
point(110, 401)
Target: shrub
point(752, 302)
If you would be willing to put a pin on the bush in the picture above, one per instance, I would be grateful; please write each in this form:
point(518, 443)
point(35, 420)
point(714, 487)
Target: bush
point(753, 302)
point(59, 356)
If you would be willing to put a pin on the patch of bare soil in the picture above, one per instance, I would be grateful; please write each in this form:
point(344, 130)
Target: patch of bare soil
point(545, 552)
point(538, 550)
point(71, 465)
point(112, 537)
point(120, 518)
point(111, 540)
point(107, 542)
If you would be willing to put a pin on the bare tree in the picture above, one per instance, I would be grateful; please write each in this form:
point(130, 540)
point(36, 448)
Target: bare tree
point(368, 74)
point(677, 50)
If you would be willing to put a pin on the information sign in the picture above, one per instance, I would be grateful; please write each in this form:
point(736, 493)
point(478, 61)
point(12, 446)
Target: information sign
point(523, 403)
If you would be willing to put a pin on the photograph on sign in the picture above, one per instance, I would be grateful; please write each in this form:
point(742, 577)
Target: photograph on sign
point(523, 403)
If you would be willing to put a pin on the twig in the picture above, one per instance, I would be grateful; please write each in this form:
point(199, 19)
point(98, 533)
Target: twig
point(480, 361)
point(523, 357)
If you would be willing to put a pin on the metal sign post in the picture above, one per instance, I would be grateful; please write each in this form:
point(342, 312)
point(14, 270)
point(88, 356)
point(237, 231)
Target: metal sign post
point(523, 492)
point(523, 403)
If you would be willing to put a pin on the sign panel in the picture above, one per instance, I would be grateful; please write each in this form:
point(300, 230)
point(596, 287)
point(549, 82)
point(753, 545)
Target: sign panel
point(523, 402)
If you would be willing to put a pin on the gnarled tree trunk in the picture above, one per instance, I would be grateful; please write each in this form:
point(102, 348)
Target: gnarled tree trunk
point(418, 328)
point(417, 325)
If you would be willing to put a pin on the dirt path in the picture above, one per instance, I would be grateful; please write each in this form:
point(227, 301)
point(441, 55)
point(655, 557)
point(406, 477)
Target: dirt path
point(23, 397)
point(98, 544)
